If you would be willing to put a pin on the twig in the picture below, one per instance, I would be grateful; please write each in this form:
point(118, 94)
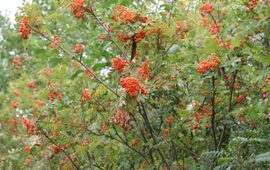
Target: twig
point(213, 124)
point(133, 48)
point(232, 90)
point(63, 150)
point(221, 138)
point(146, 120)
point(78, 60)
point(124, 55)
point(250, 8)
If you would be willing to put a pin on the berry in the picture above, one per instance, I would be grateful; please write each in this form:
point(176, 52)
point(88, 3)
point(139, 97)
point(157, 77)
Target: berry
point(144, 71)
point(132, 86)
point(24, 28)
point(119, 64)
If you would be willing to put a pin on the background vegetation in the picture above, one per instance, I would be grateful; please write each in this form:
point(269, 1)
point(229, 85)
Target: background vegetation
point(125, 84)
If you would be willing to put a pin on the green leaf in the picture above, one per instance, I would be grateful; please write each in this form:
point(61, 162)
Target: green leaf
point(74, 75)
point(54, 61)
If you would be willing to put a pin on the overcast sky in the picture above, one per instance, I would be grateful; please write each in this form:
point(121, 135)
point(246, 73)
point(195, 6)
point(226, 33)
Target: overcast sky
point(9, 7)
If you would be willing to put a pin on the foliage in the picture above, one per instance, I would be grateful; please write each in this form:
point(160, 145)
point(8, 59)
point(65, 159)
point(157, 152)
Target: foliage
point(136, 85)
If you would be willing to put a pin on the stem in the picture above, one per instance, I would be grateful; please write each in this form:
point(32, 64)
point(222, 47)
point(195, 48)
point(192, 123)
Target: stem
point(217, 26)
point(79, 61)
point(221, 138)
point(213, 124)
point(120, 141)
point(232, 90)
point(231, 86)
point(145, 141)
point(146, 120)
point(65, 152)
point(133, 48)
point(250, 8)
point(89, 159)
point(99, 80)
point(124, 55)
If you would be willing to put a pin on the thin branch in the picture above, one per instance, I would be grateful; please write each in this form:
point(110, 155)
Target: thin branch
point(145, 117)
point(78, 60)
point(63, 150)
point(221, 138)
point(124, 55)
point(255, 13)
point(232, 90)
point(94, 164)
point(133, 48)
point(217, 26)
point(120, 141)
point(213, 123)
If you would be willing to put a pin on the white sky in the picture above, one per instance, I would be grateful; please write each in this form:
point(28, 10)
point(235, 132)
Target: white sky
point(9, 7)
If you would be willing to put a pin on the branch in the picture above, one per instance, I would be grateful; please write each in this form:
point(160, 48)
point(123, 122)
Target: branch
point(232, 90)
point(213, 124)
point(217, 26)
point(146, 120)
point(250, 8)
point(89, 159)
point(79, 61)
point(124, 55)
point(231, 86)
point(144, 140)
point(63, 150)
point(221, 138)
point(133, 48)
point(120, 141)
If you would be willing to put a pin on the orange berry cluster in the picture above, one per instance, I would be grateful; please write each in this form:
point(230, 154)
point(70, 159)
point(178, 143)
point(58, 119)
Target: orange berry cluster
point(198, 116)
point(170, 120)
point(57, 149)
point(140, 36)
point(144, 71)
point(166, 131)
point(123, 37)
point(56, 42)
point(122, 118)
point(119, 64)
point(182, 28)
point(132, 86)
point(206, 8)
point(85, 96)
point(103, 127)
point(17, 62)
point(267, 80)
point(29, 126)
point(125, 15)
point(77, 8)
point(224, 44)
point(252, 4)
point(13, 104)
point(78, 48)
point(241, 98)
point(47, 72)
point(53, 94)
point(214, 29)
point(40, 102)
point(24, 28)
point(204, 22)
point(205, 65)
point(31, 85)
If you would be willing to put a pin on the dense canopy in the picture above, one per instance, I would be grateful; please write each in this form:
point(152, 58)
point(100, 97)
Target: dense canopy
point(146, 84)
